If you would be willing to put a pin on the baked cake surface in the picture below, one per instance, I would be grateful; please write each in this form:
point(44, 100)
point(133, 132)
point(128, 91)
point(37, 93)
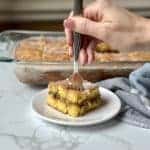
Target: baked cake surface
point(50, 50)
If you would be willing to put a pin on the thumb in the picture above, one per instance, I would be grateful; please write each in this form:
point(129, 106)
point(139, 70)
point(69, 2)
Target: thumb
point(87, 27)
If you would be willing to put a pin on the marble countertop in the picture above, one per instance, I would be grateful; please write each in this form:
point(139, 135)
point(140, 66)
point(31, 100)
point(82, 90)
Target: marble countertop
point(21, 130)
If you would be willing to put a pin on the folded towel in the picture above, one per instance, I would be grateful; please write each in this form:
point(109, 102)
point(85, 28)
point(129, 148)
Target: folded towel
point(134, 94)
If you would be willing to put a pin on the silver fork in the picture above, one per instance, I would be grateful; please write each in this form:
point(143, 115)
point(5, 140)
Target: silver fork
point(76, 79)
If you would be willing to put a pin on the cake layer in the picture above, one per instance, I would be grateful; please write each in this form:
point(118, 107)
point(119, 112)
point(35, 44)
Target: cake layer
point(72, 95)
point(73, 110)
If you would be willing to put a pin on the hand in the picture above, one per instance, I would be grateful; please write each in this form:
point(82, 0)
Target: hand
point(104, 21)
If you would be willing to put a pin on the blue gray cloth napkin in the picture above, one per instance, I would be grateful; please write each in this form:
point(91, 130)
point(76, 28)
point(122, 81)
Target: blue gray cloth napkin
point(134, 94)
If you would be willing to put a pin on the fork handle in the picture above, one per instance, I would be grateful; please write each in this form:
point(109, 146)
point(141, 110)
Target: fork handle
point(78, 7)
point(77, 40)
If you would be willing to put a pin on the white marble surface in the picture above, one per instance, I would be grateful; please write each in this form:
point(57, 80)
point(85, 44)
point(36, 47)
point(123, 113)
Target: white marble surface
point(21, 130)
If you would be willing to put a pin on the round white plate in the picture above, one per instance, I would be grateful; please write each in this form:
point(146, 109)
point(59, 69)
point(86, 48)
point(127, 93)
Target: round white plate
point(109, 110)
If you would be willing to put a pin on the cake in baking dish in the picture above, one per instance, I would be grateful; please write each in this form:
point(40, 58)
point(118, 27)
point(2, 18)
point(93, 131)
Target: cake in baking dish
point(56, 50)
point(42, 49)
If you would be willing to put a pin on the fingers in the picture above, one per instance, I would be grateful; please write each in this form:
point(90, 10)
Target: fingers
point(68, 33)
point(85, 41)
point(83, 57)
point(69, 36)
point(87, 53)
point(90, 51)
point(88, 27)
point(69, 39)
point(93, 12)
point(91, 25)
point(81, 25)
point(89, 45)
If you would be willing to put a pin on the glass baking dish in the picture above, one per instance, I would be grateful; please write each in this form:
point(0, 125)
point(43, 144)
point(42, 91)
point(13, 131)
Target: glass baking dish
point(41, 72)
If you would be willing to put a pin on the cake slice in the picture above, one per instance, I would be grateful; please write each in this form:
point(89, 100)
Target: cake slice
point(73, 110)
point(73, 102)
point(64, 91)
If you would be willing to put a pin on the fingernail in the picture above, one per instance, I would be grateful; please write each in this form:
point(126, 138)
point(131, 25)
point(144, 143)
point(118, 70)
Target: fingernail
point(69, 23)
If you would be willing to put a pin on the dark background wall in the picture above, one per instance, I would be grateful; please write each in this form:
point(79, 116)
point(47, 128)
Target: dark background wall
point(49, 14)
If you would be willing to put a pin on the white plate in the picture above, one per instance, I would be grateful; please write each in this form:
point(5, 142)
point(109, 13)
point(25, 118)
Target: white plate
point(100, 115)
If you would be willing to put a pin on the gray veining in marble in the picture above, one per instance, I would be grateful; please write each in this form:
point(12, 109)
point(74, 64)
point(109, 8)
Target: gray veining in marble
point(21, 130)
point(45, 138)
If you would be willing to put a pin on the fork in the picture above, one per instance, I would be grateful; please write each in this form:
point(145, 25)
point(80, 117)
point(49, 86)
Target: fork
point(76, 79)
